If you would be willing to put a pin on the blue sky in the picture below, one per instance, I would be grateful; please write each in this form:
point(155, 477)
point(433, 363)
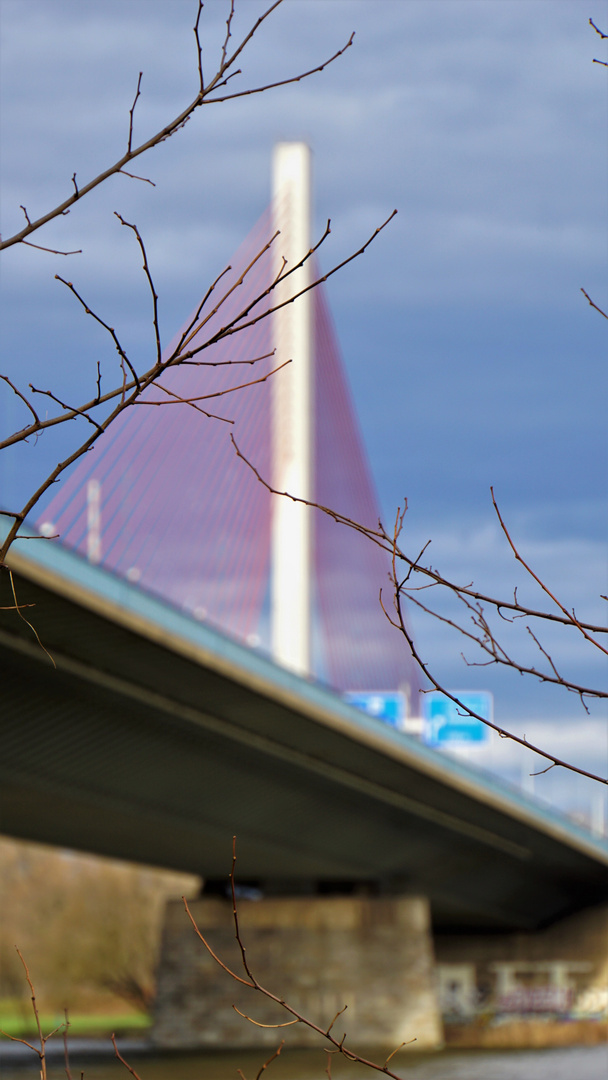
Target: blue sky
point(473, 357)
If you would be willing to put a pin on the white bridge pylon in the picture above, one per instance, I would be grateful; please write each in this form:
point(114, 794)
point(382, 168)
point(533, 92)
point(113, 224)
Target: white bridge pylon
point(292, 413)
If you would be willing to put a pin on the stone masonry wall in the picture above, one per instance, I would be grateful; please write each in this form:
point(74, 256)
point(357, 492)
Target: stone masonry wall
point(318, 953)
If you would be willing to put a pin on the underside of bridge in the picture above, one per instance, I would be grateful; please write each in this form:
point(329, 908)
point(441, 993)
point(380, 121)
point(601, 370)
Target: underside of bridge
point(152, 738)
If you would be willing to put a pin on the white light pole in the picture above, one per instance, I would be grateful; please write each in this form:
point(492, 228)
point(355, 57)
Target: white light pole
point(292, 413)
point(94, 521)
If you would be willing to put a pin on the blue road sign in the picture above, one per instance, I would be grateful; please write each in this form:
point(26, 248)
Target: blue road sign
point(386, 705)
point(445, 722)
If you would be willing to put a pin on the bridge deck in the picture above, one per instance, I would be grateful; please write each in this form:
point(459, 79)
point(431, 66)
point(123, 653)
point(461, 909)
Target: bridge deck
point(156, 739)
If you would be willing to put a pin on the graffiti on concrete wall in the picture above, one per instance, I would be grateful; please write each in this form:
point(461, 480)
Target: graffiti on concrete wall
point(559, 988)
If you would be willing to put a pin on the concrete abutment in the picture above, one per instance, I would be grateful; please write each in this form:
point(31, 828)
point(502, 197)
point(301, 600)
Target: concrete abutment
point(318, 953)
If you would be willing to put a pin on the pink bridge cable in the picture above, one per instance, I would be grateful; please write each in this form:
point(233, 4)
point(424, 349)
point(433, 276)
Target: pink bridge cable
point(362, 650)
point(180, 513)
point(183, 517)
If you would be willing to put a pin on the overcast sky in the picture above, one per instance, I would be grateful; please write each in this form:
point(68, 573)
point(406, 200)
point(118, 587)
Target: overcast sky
point(473, 357)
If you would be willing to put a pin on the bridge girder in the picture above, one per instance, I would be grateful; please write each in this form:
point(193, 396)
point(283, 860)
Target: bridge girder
point(156, 739)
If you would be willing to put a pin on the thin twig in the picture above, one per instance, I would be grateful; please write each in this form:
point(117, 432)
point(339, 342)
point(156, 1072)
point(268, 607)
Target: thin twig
point(66, 1054)
point(224, 67)
point(42, 1052)
point(228, 363)
point(586, 294)
point(541, 772)
point(134, 176)
point(234, 328)
point(57, 471)
point(235, 916)
point(597, 29)
point(203, 322)
point(52, 251)
point(269, 1060)
point(15, 1038)
point(339, 1013)
point(35, 633)
point(67, 408)
point(257, 1023)
point(228, 33)
point(132, 111)
point(110, 330)
point(214, 955)
point(199, 51)
point(282, 82)
point(196, 316)
point(177, 400)
point(408, 1042)
point(25, 401)
point(568, 615)
point(122, 1060)
point(146, 269)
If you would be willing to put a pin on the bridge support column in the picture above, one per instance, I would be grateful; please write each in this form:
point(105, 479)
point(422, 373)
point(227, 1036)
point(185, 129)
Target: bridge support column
point(292, 413)
point(317, 953)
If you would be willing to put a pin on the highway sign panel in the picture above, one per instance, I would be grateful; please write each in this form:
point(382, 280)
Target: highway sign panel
point(446, 723)
point(386, 705)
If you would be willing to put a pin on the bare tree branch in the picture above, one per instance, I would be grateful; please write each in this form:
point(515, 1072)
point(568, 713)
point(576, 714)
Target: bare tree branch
point(129, 391)
point(282, 82)
point(465, 709)
point(52, 251)
point(228, 32)
point(586, 295)
point(337, 1045)
point(597, 29)
point(132, 112)
point(122, 1060)
point(119, 349)
point(486, 640)
point(146, 269)
point(173, 126)
point(570, 616)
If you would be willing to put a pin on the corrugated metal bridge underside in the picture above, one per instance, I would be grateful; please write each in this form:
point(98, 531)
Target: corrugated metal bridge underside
point(156, 739)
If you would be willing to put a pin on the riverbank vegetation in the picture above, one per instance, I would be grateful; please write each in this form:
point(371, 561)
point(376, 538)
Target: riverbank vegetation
point(89, 928)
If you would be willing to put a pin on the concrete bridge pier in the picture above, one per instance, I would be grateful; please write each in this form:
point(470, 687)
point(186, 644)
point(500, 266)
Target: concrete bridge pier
point(319, 953)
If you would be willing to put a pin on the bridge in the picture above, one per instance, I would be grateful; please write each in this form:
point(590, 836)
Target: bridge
point(157, 699)
point(155, 738)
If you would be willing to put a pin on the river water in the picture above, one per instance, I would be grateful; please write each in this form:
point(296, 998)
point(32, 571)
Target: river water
point(570, 1063)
